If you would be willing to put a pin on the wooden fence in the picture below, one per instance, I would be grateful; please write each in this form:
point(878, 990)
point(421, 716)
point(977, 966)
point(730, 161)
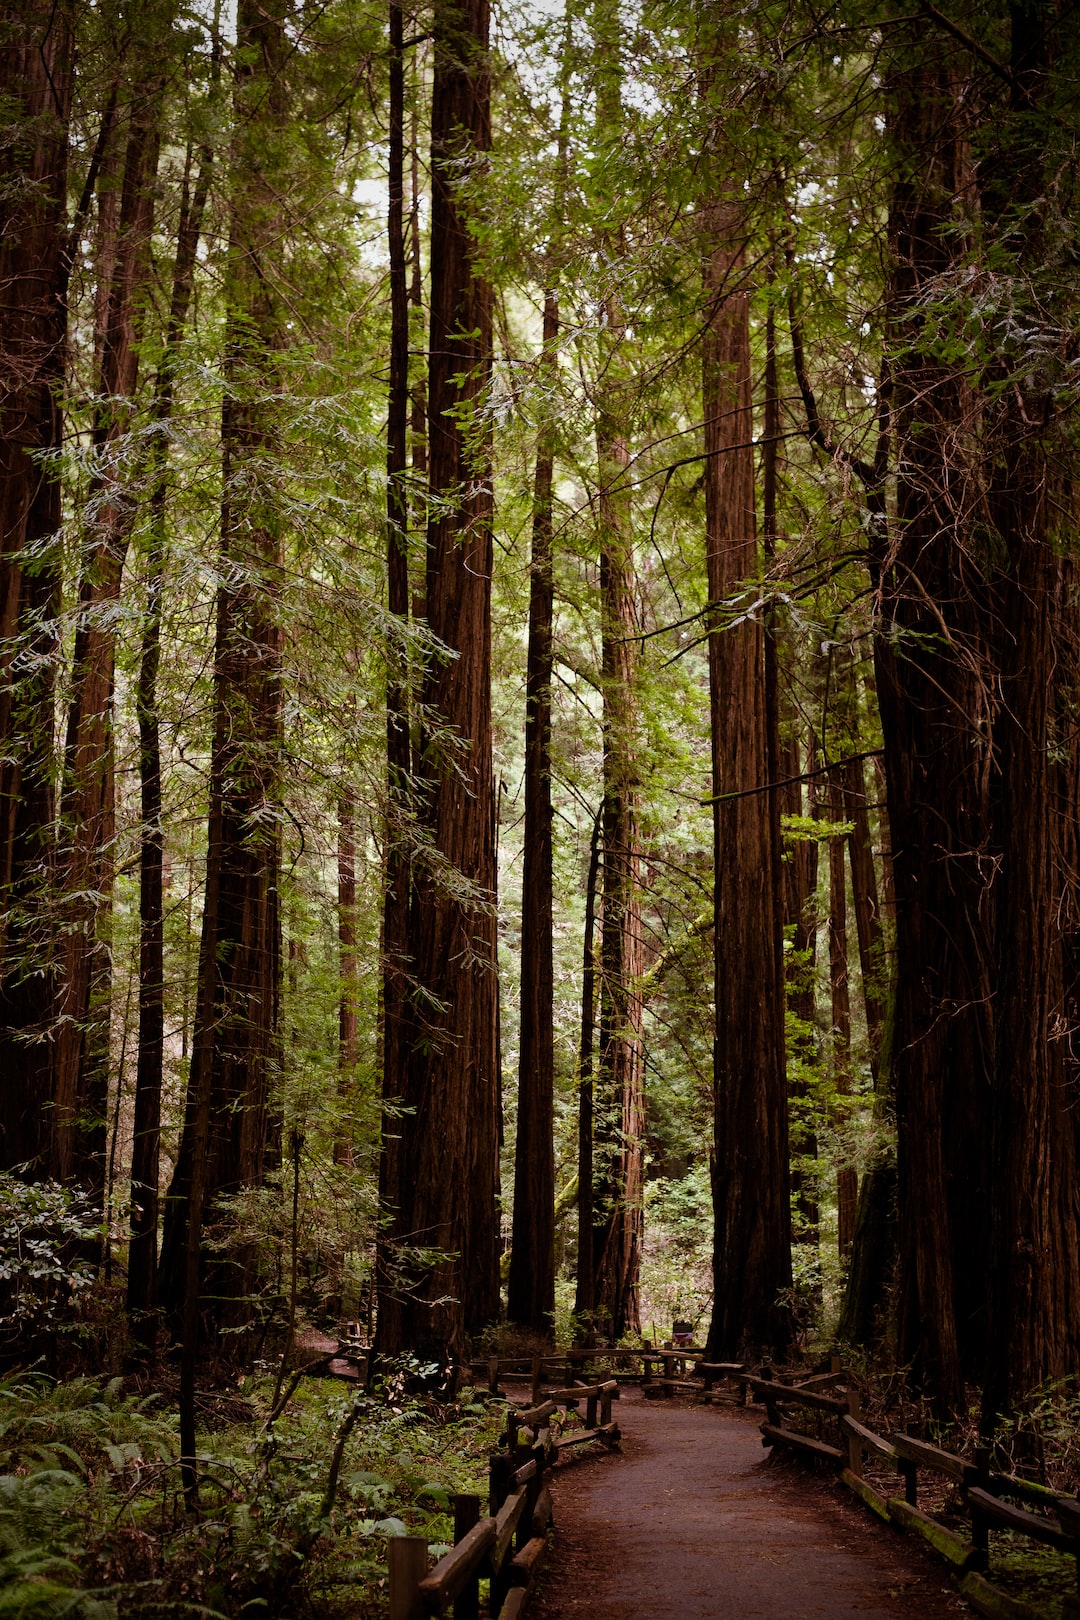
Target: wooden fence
point(507, 1546)
point(817, 1417)
point(990, 1500)
point(660, 1371)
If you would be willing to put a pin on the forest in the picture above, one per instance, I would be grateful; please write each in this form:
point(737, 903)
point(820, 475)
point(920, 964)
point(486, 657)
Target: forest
point(539, 697)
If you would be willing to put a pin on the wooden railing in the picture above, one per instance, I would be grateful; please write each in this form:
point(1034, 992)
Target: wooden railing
point(659, 1370)
point(1035, 1511)
point(507, 1546)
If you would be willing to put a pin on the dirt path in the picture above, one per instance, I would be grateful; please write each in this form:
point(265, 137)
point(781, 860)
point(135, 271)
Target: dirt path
point(694, 1522)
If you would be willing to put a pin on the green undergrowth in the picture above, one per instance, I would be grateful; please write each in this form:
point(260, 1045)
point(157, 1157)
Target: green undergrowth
point(92, 1519)
point(1039, 1576)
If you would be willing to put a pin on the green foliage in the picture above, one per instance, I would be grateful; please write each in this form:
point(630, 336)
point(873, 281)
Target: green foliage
point(42, 1228)
point(91, 1520)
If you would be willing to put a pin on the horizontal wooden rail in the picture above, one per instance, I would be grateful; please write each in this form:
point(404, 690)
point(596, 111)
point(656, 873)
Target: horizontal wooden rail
point(1045, 1517)
point(768, 1390)
point(453, 1572)
point(508, 1546)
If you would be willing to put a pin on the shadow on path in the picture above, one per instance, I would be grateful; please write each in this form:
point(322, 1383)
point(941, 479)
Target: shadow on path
point(694, 1522)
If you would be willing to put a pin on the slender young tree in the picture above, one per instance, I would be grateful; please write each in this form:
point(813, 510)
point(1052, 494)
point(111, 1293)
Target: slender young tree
point(847, 1185)
point(531, 1293)
point(396, 894)
point(585, 1293)
point(146, 1126)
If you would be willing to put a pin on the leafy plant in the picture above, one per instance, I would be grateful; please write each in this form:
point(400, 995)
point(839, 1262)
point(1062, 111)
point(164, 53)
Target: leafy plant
point(43, 1226)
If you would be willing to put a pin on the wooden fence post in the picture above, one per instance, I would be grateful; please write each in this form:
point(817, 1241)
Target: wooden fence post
point(911, 1481)
point(854, 1445)
point(493, 1375)
point(537, 1380)
point(466, 1514)
point(532, 1496)
point(499, 1471)
point(407, 1558)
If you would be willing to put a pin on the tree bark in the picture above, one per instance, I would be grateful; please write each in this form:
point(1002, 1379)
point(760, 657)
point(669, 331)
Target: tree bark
point(1034, 1308)
point(395, 921)
point(87, 805)
point(752, 1223)
point(348, 1027)
point(146, 1131)
point(235, 1050)
point(864, 895)
point(585, 1295)
point(450, 1139)
point(531, 1294)
point(618, 1116)
point(937, 707)
point(36, 83)
point(846, 1177)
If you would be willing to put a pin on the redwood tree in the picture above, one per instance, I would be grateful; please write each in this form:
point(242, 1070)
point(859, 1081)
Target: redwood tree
point(235, 1045)
point(446, 1206)
point(751, 1209)
point(87, 812)
point(531, 1293)
point(36, 43)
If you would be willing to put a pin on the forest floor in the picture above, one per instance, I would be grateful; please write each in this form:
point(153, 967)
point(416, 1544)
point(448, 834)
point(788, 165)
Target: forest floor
point(694, 1520)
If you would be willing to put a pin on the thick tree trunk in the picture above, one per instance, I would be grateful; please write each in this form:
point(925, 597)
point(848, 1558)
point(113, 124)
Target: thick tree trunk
point(1034, 1308)
point(618, 1111)
point(146, 1136)
point(36, 85)
point(936, 698)
point(450, 1138)
point(235, 1053)
point(752, 1224)
point(531, 1295)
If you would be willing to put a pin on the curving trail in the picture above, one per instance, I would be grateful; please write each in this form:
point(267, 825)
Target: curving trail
point(693, 1522)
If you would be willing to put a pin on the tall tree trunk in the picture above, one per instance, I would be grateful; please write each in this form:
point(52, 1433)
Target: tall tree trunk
point(146, 1133)
point(395, 922)
point(348, 1026)
point(235, 1050)
point(752, 1222)
point(531, 1294)
point(937, 704)
point(846, 1177)
point(619, 1107)
point(1034, 1307)
point(795, 877)
point(36, 85)
point(864, 895)
point(585, 1296)
point(450, 1137)
point(87, 806)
